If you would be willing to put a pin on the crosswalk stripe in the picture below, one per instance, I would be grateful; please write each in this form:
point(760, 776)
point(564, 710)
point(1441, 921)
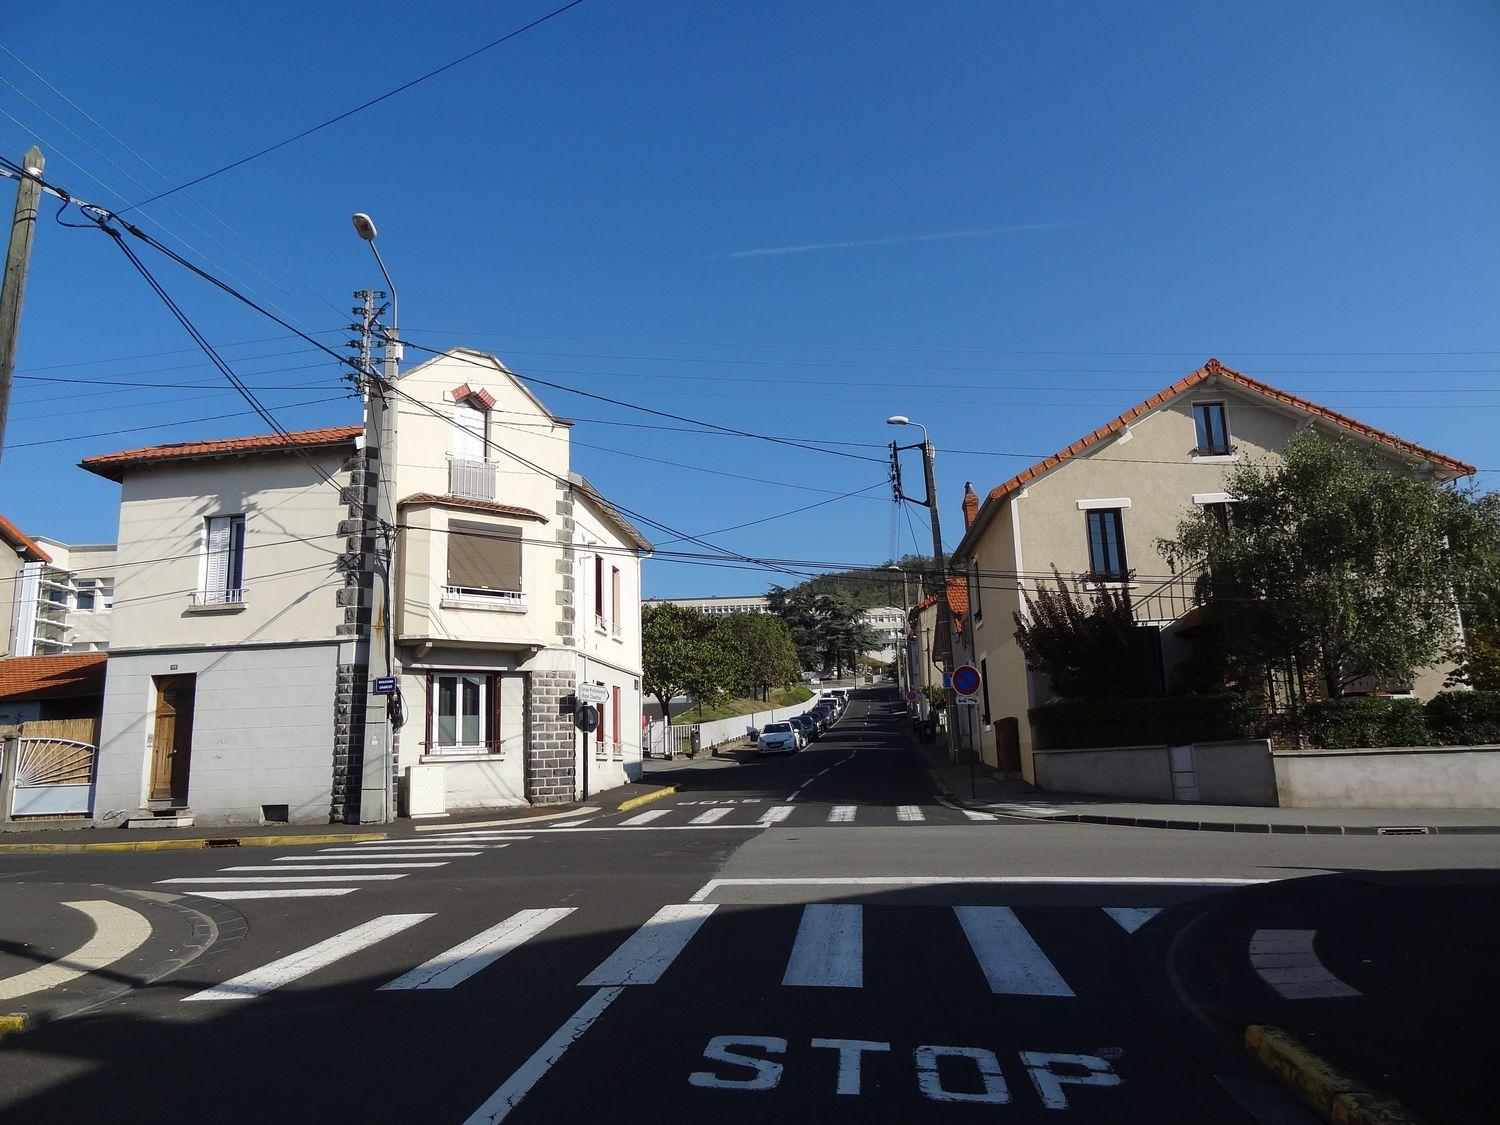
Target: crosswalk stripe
point(1287, 961)
point(1132, 918)
point(909, 812)
point(458, 964)
point(396, 855)
point(354, 860)
point(280, 892)
point(645, 817)
point(974, 815)
point(829, 950)
point(776, 813)
point(295, 966)
point(424, 845)
point(330, 867)
point(1012, 961)
point(449, 841)
point(841, 814)
point(646, 954)
point(278, 879)
point(710, 816)
point(573, 823)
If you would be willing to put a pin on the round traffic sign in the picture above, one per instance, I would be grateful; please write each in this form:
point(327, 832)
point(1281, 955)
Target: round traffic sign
point(912, 695)
point(966, 679)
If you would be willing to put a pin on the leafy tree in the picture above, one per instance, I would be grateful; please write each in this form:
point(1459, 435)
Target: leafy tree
point(825, 628)
point(1336, 562)
point(683, 653)
point(1086, 646)
point(763, 648)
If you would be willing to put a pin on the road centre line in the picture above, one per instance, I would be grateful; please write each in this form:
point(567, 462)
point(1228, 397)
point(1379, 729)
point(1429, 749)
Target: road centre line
point(117, 932)
point(499, 1104)
point(458, 964)
point(646, 954)
point(708, 888)
point(297, 965)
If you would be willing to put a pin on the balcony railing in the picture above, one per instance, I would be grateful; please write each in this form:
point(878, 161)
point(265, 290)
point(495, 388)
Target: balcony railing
point(232, 597)
point(616, 628)
point(472, 480)
point(461, 597)
point(1167, 602)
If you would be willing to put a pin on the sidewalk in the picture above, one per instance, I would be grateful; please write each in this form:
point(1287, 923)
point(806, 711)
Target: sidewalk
point(70, 838)
point(1014, 797)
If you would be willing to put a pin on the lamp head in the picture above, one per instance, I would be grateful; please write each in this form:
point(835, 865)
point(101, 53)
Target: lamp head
point(898, 420)
point(364, 226)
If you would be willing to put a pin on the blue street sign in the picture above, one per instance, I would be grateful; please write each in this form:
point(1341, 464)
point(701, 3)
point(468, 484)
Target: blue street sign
point(385, 685)
point(966, 679)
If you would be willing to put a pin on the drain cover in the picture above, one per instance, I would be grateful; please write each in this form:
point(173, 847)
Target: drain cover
point(1404, 830)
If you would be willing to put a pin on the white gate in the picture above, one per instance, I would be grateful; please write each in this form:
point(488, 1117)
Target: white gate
point(53, 777)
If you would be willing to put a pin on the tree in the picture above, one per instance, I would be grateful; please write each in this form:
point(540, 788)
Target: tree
point(1336, 562)
point(826, 628)
point(1087, 648)
point(763, 649)
point(682, 653)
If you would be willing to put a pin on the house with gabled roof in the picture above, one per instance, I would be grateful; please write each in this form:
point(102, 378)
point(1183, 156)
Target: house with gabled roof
point(1096, 509)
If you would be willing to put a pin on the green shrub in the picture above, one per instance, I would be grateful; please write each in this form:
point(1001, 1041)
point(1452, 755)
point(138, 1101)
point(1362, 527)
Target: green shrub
point(1174, 720)
point(1367, 720)
point(1464, 718)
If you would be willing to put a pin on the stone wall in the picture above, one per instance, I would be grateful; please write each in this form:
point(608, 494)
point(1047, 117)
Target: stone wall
point(567, 609)
point(357, 565)
point(552, 739)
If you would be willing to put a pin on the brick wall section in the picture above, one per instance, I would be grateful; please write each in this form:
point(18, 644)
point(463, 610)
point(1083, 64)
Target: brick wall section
point(355, 597)
point(551, 738)
point(567, 610)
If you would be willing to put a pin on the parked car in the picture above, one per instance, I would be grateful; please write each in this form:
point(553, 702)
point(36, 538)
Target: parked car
point(842, 696)
point(827, 712)
point(778, 738)
point(818, 717)
point(807, 727)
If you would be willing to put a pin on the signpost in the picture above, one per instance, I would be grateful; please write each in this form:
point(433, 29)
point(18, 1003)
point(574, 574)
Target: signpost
point(592, 693)
point(966, 685)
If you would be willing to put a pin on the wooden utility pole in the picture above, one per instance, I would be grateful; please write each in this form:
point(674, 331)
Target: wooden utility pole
point(13, 285)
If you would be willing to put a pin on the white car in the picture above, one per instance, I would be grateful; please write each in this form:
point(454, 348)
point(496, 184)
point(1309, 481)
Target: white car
point(778, 738)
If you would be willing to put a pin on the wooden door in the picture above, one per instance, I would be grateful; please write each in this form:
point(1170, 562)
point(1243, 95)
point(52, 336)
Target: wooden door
point(172, 742)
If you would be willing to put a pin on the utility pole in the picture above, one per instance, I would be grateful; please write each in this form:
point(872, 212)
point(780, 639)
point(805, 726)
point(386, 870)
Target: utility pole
point(13, 285)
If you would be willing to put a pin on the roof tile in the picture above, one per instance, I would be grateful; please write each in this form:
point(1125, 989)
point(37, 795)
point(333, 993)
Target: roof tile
point(22, 542)
point(113, 465)
point(66, 675)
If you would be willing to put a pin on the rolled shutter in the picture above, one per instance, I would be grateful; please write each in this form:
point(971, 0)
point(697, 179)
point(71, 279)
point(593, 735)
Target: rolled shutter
point(484, 556)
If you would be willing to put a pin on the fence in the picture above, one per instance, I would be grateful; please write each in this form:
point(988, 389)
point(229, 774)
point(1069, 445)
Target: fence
point(668, 741)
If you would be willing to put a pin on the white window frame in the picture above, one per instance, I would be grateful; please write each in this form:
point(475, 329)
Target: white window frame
point(212, 594)
point(436, 749)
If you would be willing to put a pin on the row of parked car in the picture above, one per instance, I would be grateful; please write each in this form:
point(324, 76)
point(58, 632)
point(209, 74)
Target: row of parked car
point(795, 733)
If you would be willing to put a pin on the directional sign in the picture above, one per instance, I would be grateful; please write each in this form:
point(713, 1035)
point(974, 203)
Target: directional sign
point(592, 693)
point(966, 680)
point(384, 685)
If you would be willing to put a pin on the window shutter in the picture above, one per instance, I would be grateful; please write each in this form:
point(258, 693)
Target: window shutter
point(469, 425)
point(216, 574)
point(484, 556)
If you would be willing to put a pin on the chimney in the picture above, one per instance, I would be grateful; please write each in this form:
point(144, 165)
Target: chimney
point(971, 504)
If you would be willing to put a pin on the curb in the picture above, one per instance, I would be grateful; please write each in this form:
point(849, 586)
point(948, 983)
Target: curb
point(198, 843)
point(634, 802)
point(1333, 1096)
point(12, 1023)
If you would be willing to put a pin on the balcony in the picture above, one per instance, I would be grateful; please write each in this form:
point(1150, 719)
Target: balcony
point(218, 601)
point(496, 601)
point(471, 480)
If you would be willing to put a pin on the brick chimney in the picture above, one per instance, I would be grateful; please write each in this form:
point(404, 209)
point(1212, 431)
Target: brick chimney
point(971, 504)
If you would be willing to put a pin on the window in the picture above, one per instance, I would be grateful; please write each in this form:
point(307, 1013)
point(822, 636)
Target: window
point(602, 734)
point(470, 432)
point(599, 590)
point(224, 561)
point(484, 561)
point(86, 593)
point(977, 597)
point(614, 597)
point(1212, 426)
point(106, 593)
point(463, 712)
point(1106, 545)
point(984, 687)
point(614, 712)
point(1219, 513)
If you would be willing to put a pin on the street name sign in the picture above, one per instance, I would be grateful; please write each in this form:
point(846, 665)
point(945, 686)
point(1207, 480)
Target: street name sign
point(384, 685)
point(592, 693)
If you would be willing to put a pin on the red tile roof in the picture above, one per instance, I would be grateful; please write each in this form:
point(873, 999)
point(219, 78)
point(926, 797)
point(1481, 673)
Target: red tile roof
point(22, 542)
point(114, 465)
point(472, 505)
point(1211, 370)
point(66, 675)
point(958, 601)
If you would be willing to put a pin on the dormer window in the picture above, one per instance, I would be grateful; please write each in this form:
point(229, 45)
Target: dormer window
point(1212, 423)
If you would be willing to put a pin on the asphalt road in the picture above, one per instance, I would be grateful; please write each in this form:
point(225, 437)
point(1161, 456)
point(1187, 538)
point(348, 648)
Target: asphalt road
point(816, 937)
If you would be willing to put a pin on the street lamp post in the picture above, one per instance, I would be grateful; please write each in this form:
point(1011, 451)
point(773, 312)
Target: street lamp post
point(943, 642)
point(903, 666)
point(380, 458)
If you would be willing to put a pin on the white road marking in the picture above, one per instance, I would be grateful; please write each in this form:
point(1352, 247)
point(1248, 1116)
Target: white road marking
point(285, 892)
point(330, 867)
point(499, 1104)
point(644, 818)
point(646, 954)
point(1132, 918)
point(713, 885)
point(829, 950)
point(278, 879)
point(395, 855)
point(481, 951)
point(973, 815)
point(653, 828)
point(523, 821)
point(1287, 961)
point(573, 823)
point(711, 816)
point(775, 814)
point(118, 932)
point(295, 966)
point(841, 814)
point(910, 813)
point(478, 839)
point(481, 842)
point(1012, 961)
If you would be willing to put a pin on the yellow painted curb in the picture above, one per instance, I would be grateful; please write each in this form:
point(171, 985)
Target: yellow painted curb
point(665, 791)
point(1335, 1097)
point(12, 1023)
point(199, 843)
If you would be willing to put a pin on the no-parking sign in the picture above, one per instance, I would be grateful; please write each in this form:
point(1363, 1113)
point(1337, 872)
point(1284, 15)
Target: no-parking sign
point(966, 680)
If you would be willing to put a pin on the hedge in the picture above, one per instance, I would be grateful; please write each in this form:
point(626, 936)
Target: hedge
point(1174, 720)
point(1451, 718)
point(1464, 718)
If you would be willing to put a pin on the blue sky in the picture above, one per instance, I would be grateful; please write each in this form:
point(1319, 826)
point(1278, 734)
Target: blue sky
point(1009, 221)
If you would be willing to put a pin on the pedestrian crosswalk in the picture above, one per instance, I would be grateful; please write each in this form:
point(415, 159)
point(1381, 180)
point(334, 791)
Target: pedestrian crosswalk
point(331, 872)
point(824, 948)
point(764, 812)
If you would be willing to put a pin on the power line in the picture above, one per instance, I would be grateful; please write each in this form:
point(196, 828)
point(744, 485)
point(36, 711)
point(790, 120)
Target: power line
point(182, 422)
point(793, 512)
point(357, 109)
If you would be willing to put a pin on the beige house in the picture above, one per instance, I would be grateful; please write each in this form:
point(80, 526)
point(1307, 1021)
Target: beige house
point(234, 666)
point(1096, 509)
point(22, 560)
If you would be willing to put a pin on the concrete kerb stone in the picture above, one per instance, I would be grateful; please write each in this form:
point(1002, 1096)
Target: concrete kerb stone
point(200, 842)
point(647, 798)
point(1333, 1096)
point(1223, 825)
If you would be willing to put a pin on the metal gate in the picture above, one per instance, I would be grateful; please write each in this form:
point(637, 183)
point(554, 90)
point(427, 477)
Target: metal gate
point(52, 777)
